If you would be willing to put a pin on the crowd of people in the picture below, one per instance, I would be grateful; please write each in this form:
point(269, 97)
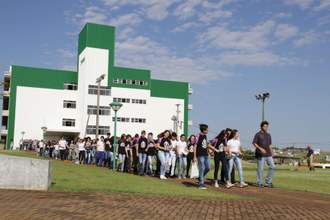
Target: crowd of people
point(144, 154)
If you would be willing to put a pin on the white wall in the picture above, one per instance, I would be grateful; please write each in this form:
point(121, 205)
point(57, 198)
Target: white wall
point(37, 107)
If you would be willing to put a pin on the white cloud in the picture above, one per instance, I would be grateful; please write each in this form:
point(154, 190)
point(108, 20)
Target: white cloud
point(324, 5)
point(130, 19)
point(263, 58)
point(302, 4)
point(285, 31)
point(142, 52)
point(186, 9)
point(306, 38)
point(323, 20)
point(252, 39)
point(283, 15)
point(91, 14)
point(185, 26)
point(213, 15)
point(66, 53)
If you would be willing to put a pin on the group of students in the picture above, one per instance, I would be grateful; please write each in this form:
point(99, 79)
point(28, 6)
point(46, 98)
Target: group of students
point(140, 153)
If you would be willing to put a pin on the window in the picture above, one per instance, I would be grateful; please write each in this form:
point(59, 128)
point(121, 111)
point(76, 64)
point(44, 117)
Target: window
point(67, 122)
point(69, 104)
point(130, 81)
point(103, 110)
point(70, 86)
point(138, 120)
point(139, 101)
point(104, 90)
point(121, 119)
point(123, 100)
point(103, 130)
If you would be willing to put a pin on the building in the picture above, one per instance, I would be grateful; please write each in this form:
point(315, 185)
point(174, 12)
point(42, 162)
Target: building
point(66, 101)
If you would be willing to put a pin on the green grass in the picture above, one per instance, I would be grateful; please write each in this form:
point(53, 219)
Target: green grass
point(290, 177)
point(81, 178)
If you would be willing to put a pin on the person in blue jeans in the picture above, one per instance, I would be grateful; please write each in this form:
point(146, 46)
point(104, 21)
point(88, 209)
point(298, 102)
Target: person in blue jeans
point(142, 152)
point(264, 153)
point(201, 154)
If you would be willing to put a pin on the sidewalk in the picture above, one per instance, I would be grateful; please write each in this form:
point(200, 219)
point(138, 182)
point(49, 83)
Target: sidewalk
point(17, 204)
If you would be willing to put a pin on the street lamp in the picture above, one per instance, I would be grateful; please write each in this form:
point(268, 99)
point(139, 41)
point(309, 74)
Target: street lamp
point(44, 129)
point(262, 97)
point(115, 106)
point(98, 81)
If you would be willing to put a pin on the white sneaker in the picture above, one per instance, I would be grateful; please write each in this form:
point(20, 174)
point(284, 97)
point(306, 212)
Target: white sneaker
point(162, 177)
point(229, 185)
point(216, 185)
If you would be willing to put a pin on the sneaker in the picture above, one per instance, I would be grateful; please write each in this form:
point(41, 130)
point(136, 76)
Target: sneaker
point(202, 187)
point(162, 177)
point(216, 185)
point(260, 185)
point(180, 177)
point(183, 177)
point(229, 185)
point(242, 185)
point(270, 185)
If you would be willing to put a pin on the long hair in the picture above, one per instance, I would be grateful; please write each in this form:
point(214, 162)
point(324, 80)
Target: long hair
point(232, 134)
point(221, 135)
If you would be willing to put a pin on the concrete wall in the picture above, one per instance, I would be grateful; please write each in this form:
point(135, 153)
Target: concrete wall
point(24, 173)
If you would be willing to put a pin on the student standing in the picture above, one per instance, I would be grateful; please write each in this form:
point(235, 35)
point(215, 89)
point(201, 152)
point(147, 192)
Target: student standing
point(172, 160)
point(234, 147)
point(81, 147)
point(164, 145)
point(121, 152)
point(62, 144)
point(262, 141)
point(201, 154)
point(100, 151)
point(142, 151)
point(108, 147)
point(190, 155)
point(151, 152)
point(310, 157)
point(182, 152)
point(135, 153)
point(128, 160)
point(220, 145)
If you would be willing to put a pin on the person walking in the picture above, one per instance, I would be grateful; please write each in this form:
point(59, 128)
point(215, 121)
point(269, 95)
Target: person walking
point(234, 148)
point(310, 157)
point(164, 146)
point(263, 143)
point(62, 144)
point(142, 152)
point(182, 152)
point(190, 155)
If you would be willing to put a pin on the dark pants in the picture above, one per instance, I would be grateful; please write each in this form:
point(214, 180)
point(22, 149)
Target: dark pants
point(62, 154)
point(190, 158)
point(82, 156)
point(220, 157)
point(135, 164)
point(158, 163)
point(128, 164)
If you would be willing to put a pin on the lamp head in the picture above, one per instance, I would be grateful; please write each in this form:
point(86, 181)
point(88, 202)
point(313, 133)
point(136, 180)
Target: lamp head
point(116, 106)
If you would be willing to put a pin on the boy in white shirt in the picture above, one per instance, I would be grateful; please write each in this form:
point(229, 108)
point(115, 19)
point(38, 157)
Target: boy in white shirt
point(182, 152)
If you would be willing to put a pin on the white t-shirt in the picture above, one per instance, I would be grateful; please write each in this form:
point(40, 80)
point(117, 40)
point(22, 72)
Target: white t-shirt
point(234, 145)
point(81, 146)
point(62, 144)
point(41, 144)
point(181, 145)
point(100, 146)
point(174, 145)
point(56, 146)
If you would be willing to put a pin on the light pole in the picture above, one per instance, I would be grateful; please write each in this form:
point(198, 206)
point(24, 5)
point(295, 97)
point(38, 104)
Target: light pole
point(262, 97)
point(115, 106)
point(98, 81)
point(44, 129)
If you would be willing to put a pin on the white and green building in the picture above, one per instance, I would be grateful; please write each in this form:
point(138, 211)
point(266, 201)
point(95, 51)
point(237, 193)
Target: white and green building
point(65, 101)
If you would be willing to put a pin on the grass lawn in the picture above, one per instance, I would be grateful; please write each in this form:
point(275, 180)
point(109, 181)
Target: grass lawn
point(81, 178)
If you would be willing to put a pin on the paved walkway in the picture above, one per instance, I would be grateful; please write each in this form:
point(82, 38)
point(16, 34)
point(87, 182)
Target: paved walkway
point(266, 204)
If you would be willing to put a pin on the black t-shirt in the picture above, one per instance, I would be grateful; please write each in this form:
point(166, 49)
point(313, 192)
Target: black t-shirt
point(121, 147)
point(135, 141)
point(165, 142)
point(264, 141)
point(190, 148)
point(151, 149)
point(108, 144)
point(128, 147)
point(143, 144)
point(221, 145)
point(201, 142)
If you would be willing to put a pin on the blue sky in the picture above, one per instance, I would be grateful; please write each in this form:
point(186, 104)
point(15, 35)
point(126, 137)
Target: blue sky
point(229, 50)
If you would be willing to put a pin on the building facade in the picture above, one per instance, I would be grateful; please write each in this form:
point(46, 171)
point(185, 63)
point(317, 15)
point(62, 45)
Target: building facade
point(66, 101)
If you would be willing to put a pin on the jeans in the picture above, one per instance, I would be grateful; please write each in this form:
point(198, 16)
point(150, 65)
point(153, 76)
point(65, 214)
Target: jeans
point(204, 168)
point(172, 163)
point(100, 157)
point(235, 159)
point(182, 160)
point(122, 161)
point(271, 169)
point(107, 159)
point(70, 154)
point(217, 158)
point(150, 161)
point(163, 158)
point(142, 161)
